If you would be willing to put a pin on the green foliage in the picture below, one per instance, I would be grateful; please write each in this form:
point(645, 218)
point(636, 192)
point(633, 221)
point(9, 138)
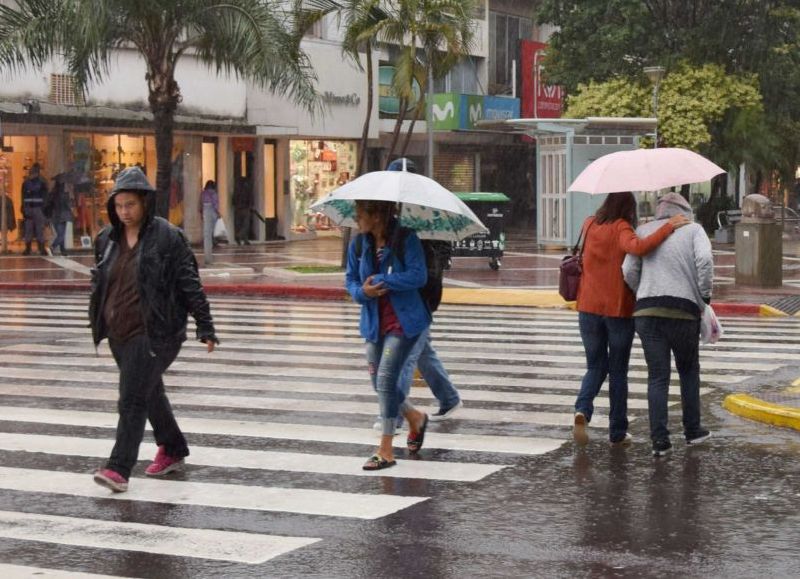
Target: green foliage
point(693, 103)
point(603, 40)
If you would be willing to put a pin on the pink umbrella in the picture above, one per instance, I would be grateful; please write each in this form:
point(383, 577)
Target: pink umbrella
point(644, 170)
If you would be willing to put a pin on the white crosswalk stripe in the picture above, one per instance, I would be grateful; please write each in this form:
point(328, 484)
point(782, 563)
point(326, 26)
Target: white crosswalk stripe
point(281, 415)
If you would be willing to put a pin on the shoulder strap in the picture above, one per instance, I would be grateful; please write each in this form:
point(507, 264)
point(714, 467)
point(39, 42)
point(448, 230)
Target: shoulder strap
point(578, 249)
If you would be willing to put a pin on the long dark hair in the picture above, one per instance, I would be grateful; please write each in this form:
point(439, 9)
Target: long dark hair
point(617, 206)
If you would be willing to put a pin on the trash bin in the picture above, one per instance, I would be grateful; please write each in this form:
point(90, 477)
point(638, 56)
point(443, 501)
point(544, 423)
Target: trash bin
point(492, 210)
point(759, 244)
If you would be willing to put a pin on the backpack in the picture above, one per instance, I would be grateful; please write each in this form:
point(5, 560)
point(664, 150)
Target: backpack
point(437, 257)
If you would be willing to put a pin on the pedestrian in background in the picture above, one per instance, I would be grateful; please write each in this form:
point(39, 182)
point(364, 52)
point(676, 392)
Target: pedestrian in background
point(605, 306)
point(143, 287)
point(673, 285)
point(58, 208)
point(392, 319)
point(423, 355)
point(34, 193)
point(242, 208)
point(209, 210)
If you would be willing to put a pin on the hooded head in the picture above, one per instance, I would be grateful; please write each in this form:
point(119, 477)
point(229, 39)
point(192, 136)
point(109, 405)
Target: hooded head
point(673, 204)
point(131, 180)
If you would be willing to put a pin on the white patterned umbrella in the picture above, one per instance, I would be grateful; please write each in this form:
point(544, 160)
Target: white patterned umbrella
point(426, 207)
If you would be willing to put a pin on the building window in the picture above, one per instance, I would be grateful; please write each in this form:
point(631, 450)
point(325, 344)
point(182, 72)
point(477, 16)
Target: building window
point(63, 90)
point(505, 32)
point(461, 79)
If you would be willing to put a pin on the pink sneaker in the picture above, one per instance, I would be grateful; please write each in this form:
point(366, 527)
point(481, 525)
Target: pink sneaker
point(110, 479)
point(163, 464)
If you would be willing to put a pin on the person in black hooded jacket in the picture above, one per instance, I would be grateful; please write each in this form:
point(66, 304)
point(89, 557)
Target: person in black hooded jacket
point(144, 286)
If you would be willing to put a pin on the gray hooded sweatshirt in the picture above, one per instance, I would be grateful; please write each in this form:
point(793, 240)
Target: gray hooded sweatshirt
point(679, 273)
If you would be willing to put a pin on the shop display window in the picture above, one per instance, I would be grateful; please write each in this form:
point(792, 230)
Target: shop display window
point(317, 168)
point(96, 159)
point(17, 155)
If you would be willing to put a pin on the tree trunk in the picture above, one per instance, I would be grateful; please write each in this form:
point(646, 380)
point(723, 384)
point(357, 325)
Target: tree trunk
point(164, 96)
point(401, 116)
point(410, 131)
point(362, 150)
point(164, 121)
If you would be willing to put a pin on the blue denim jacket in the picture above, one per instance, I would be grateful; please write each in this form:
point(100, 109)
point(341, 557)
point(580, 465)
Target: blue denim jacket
point(403, 282)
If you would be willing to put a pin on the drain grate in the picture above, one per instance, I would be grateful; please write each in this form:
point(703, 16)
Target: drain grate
point(789, 305)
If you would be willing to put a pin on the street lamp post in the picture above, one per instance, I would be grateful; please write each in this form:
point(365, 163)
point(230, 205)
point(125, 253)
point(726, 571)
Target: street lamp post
point(655, 74)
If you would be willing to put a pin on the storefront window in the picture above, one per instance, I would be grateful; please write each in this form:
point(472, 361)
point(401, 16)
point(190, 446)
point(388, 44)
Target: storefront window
point(317, 168)
point(96, 159)
point(17, 156)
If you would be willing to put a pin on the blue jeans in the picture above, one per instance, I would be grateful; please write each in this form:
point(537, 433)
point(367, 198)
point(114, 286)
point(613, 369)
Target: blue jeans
point(430, 366)
point(607, 342)
point(660, 337)
point(61, 230)
point(386, 359)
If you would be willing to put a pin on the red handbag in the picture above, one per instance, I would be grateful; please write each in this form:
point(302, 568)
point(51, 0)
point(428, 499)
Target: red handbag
point(569, 277)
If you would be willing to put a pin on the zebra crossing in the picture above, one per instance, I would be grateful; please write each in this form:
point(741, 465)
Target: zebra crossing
point(278, 420)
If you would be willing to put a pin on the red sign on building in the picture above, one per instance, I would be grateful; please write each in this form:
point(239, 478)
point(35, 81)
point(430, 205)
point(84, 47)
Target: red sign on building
point(539, 100)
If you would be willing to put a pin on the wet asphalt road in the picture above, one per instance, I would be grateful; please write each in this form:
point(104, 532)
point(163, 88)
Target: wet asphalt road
point(729, 508)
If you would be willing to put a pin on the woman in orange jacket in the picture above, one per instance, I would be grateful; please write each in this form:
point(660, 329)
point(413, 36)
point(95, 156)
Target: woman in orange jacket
point(605, 306)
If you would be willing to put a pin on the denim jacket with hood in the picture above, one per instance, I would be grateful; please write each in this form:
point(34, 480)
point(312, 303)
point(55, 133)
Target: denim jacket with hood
point(403, 278)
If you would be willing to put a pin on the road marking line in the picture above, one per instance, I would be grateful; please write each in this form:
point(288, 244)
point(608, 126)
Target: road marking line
point(252, 548)
point(256, 459)
point(223, 496)
point(287, 431)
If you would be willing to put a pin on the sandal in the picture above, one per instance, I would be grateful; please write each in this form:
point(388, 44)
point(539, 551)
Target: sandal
point(377, 462)
point(414, 441)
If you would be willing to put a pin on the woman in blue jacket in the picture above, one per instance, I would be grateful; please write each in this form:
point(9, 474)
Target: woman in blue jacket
point(385, 279)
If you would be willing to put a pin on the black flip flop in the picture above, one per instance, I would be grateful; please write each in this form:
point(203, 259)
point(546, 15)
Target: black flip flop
point(414, 441)
point(377, 462)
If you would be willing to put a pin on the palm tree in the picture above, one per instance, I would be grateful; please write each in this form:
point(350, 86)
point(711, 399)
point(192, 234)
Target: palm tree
point(254, 39)
point(434, 35)
point(362, 21)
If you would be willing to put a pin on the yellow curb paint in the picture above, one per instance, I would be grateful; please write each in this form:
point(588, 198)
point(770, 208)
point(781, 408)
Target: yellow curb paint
point(749, 407)
point(503, 297)
point(770, 312)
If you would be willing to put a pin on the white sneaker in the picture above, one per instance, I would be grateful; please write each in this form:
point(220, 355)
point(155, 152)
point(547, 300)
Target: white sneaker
point(579, 433)
point(378, 425)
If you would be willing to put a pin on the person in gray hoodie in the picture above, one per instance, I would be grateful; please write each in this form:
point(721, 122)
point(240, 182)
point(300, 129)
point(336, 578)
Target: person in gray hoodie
point(673, 285)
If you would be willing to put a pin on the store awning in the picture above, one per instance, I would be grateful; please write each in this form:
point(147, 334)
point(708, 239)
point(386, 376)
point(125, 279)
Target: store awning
point(98, 116)
point(587, 126)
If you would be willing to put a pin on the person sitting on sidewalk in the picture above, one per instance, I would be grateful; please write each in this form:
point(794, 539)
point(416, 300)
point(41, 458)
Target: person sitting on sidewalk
point(673, 285)
point(143, 287)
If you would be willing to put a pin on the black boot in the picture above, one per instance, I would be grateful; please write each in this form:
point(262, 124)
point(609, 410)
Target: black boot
point(27, 249)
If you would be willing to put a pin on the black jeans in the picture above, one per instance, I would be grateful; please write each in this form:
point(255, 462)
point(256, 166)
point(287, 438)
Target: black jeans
point(661, 337)
point(141, 398)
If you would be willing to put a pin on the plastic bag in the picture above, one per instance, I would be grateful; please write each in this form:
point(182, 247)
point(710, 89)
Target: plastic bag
point(220, 231)
point(710, 328)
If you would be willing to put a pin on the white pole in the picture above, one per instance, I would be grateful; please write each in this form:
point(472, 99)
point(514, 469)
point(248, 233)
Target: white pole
point(429, 107)
point(514, 78)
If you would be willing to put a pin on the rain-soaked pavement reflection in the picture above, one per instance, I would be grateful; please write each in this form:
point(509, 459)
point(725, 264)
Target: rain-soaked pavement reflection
point(728, 508)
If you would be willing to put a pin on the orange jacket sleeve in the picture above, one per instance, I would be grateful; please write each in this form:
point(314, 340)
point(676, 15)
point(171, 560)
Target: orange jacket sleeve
point(633, 244)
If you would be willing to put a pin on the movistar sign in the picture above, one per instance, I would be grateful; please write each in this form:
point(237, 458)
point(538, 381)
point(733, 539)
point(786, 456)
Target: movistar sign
point(451, 111)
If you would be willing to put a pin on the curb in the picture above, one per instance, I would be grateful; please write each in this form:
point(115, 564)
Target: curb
point(747, 406)
point(462, 296)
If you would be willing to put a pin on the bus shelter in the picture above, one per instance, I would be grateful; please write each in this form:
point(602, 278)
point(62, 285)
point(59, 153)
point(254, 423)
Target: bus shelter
point(564, 147)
